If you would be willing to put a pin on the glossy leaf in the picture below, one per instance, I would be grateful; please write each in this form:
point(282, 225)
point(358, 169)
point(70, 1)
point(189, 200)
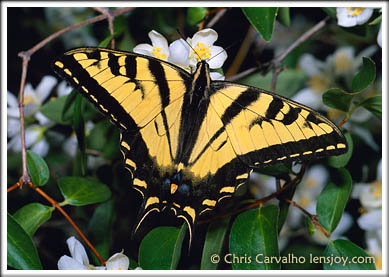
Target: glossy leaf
point(284, 16)
point(330, 11)
point(254, 236)
point(69, 100)
point(364, 77)
point(337, 99)
point(100, 229)
point(262, 19)
point(376, 20)
point(53, 110)
point(79, 191)
point(195, 15)
point(79, 128)
point(37, 169)
point(161, 248)
point(374, 105)
point(346, 255)
point(21, 252)
point(333, 199)
point(342, 160)
point(214, 243)
point(31, 216)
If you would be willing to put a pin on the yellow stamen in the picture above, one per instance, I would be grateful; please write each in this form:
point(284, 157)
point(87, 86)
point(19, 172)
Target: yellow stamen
point(203, 52)
point(318, 83)
point(376, 189)
point(158, 54)
point(354, 11)
point(342, 62)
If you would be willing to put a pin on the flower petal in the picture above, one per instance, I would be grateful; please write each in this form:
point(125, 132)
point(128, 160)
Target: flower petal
point(216, 76)
point(379, 36)
point(77, 250)
point(179, 53)
point(144, 49)
point(118, 261)
point(218, 57)
point(364, 16)
point(67, 263)
point(344, 19)
point(207, 36)
point(12, 100)
point(63, 89)
point(371, 220)
point(44, 88)
point(307, 97)
point(159, 40)
point(41, 147)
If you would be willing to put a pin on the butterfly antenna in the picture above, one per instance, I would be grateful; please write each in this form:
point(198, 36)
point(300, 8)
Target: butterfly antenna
point(225, 50)
point(183, 37)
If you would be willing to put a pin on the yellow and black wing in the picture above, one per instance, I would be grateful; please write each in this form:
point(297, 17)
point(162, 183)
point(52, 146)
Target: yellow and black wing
point(187, 141)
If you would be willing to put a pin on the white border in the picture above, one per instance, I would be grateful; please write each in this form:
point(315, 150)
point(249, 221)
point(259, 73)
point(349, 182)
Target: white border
point(6, 4)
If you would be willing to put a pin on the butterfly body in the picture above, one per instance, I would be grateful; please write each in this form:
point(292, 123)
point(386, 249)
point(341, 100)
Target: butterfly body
point(190, 142)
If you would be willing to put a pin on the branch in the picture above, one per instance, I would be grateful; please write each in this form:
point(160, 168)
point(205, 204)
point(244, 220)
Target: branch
point(275, 63)
point(110, 18)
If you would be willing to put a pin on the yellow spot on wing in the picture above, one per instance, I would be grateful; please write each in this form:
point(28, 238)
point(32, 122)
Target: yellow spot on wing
point(67, 71)
point(307, 153)
point(330, 147)
point(191, 212)
point(209, 202)
point(140, 183)
point(244, 175)
point(125, 145)
point(341, 145)
point(327, 128)
point(59, 64)
point(131, 163)
point(227, 189)
point(294, 155)
point(173, 188)
point(282, 158)
point(151, 201)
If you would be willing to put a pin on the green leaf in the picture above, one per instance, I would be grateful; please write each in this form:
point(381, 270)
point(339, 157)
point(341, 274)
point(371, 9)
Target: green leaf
point(254, 237)
point(262, 19)
point(195, 15)
point(79, 128)
point(346, 255)
point(337, 99)
point(53, 110)
point(214, 243)
point(311, 228)
point(161, 248)
point(333, 199)
point(342, 160)
point(79, 191)
point(100, 229)
point(37, 169)
point(376, 21)
point(330, 11)
point(374, 105)
point(21, 252)
point(31, 216)
point(284, 16)
point(68, 103)
point(299, 254)
point(364, 77)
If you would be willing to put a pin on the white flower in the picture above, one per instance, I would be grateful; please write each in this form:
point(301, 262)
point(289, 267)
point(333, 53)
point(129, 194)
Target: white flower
point(159, 48)
point(352, 16)
point(371, 220)
point(307, 192)
point(379, 36)
point(78, 260)
point(374, 246)
point(118, 261)
point(179, 53)
point(370, 194)
point(202, 43)
point(34, 98)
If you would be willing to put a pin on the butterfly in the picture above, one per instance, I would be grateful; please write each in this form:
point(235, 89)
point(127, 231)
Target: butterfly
point(187, 141)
